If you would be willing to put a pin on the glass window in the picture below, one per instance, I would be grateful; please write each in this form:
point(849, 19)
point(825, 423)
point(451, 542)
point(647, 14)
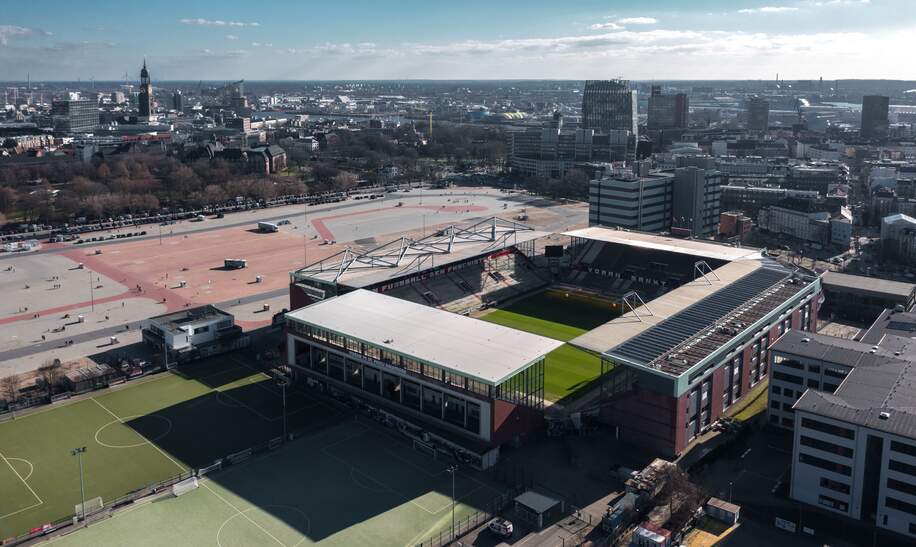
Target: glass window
point(473, 419)
point(411, 365)
point(372, 380)
point(824, 464)
point(454, 410)
point(830, 429)
point(354, 378)
point(412, 397)
point(432, 402)
point(903, 448)
point(336, 367)
point(391, 387)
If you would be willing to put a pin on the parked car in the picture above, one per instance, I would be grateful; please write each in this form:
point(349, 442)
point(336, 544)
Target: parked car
point(501, 527)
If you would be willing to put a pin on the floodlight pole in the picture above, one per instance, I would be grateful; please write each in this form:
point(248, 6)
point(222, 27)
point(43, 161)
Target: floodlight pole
point(452, 469)
point(282, 381)
point(78, 452)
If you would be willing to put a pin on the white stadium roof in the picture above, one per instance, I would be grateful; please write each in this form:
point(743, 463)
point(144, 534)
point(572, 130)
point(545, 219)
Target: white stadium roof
point(488, 352)
point(692, 247)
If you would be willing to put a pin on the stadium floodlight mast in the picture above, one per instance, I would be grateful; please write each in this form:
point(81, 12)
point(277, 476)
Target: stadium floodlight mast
point(283, 381)
point(78, 452)
point(452, 469)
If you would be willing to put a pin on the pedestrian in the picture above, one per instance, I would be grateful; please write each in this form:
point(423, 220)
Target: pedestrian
point(42, 337)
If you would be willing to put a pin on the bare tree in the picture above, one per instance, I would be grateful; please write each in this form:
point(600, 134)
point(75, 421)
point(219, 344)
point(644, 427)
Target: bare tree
point(9, 388)
point(50, 373)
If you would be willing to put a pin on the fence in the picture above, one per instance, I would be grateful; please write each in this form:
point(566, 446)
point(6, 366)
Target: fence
point(465, 525)
point(104, 512)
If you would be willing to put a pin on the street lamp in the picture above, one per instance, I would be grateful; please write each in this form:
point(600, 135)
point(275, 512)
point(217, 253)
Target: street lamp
point(91, 290)
point(452, 469)
point(78, 452)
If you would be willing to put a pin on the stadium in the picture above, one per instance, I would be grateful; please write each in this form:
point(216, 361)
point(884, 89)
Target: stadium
point(469, 339)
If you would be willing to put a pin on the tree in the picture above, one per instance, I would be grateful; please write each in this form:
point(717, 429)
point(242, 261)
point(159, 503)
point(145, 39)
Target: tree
point(7, 199)
point(50, 373)
point(9, 388)
point(345, 180)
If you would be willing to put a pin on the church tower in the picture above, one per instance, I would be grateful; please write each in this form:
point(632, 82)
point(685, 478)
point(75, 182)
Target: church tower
point(145, 97)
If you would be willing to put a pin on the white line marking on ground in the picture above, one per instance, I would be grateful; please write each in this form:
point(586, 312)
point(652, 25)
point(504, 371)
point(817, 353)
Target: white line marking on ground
point(31, 467)
point(37, 497)
point(224, 500)
point(171, 459)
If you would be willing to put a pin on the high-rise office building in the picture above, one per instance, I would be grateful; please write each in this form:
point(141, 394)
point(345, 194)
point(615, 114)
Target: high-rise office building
point(75, 116)
point(667, 111)
point(631, 202)
point(696, 200)
point(145, 97)
point(178, 101)
point(874, 117)
point(758, 114)
point(609, 105)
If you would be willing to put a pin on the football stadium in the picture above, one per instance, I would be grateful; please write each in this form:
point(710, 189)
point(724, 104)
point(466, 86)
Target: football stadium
point(653, 335)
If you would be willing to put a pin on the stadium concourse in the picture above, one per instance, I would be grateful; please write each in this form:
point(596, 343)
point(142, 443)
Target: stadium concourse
point(665, 334)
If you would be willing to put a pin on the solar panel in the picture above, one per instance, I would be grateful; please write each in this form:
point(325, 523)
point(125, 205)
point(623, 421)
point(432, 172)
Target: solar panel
point(665, 336)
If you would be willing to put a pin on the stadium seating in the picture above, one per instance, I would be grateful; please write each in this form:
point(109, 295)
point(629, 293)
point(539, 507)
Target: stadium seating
point(469, 288)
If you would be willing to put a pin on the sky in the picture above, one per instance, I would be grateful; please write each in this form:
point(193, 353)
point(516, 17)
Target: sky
point(458, 39)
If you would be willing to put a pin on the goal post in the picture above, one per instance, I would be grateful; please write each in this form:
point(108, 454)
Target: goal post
point(185, 486)
point(89, 507)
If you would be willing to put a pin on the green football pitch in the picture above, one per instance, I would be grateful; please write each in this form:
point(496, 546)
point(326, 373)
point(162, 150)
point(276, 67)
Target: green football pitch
point(552, 314)
point(342, 482)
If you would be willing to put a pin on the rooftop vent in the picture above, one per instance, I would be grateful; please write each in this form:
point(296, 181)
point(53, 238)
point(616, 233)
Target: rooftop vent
point(884, 415)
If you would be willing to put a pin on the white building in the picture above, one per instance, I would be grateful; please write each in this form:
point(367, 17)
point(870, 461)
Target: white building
point(195, 332)
point(854, 451)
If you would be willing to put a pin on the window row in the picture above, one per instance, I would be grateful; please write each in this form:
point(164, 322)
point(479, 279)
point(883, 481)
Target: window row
point(824, 464)
point(425, 399)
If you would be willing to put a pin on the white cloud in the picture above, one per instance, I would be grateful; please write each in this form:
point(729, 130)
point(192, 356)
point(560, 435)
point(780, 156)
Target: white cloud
point(769, 9)
point(638, 21)
point(620, 24)
point(217, 23)
point(261, 44)
point(231, 37)
point(11, 31)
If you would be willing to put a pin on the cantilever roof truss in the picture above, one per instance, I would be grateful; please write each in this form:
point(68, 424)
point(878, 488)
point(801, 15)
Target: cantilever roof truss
point(406, 254)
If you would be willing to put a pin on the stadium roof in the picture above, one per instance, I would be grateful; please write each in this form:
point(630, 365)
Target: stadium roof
point(485, 351)
point(620, 329)
point(403, 256)
point(677, 331)
point(692, 247)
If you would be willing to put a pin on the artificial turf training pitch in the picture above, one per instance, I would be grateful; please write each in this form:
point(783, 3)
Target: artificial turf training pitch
point(345, 481)
point(553, 314)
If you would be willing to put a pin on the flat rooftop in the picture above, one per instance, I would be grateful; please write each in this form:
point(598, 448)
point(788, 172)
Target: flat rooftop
point(175, 320)
point(866, 393)
point(485, 351)
point(692, 247)
point(406, 256)
point(870, 286)
point(832, 349)
point(890, 327)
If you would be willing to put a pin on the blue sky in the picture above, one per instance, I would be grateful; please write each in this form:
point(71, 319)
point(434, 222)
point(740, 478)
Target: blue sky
point(570, 39)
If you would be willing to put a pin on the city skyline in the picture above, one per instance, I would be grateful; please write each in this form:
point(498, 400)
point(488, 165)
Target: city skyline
point(710, 39)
